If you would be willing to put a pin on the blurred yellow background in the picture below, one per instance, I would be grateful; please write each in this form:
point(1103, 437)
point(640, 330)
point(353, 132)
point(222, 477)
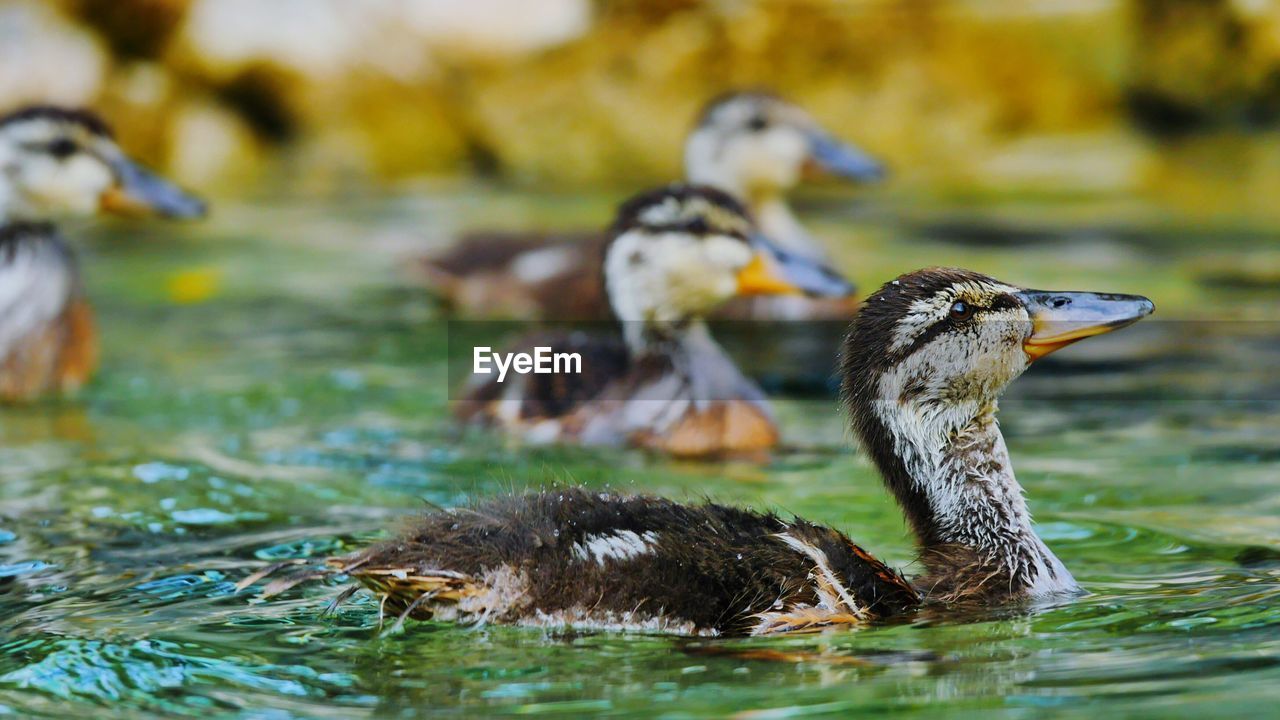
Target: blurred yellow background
point(1172, 101)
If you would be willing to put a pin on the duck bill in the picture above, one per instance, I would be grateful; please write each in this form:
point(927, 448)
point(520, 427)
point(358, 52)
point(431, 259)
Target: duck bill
point(1061, 318)
point(774, 271)
point(842, 159)
point(139, 191)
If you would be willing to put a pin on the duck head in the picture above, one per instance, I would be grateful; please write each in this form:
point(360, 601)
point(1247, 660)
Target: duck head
point(923, 366)
point(757, 145)
point(57, 161)
point(953, 338)
point(678, 252)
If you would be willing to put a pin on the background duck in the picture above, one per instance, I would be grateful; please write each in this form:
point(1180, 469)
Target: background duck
point(674, 254)
point(53, 162)
point(753, 145)
point(923, 366)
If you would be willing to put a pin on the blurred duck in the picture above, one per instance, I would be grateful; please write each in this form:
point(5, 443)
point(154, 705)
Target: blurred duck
point(56, 162)
point(923, 366)
point(673, 255)
point(752, 145)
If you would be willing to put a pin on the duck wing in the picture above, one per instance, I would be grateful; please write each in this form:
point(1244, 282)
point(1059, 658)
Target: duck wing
point(522, 275)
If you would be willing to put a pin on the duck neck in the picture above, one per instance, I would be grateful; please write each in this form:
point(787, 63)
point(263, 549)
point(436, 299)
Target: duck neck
point(16, 233)
point(950, 470)
point(768, 205)
point(777, 222)
point(655, 338)
point(685, 338)
point(12, 209)
point(689, 353)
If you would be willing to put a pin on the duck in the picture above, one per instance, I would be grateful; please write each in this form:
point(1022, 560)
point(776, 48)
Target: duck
point(674, 254)
point(923, 365)
point(55, 162)
point(753, 145)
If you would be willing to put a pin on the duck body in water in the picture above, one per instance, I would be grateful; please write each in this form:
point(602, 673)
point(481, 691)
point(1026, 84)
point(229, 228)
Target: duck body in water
point(55, 162)
point(674, 255)
point(923, 366)
point(754, 146)
point(583, 559)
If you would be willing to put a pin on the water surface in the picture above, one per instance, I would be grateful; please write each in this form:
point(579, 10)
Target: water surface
point(273, 388)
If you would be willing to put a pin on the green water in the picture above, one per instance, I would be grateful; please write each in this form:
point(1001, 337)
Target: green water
point(273, 388)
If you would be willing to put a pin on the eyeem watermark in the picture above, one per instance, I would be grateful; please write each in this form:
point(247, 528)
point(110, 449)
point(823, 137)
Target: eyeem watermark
point(542, 361)
point(798, 359)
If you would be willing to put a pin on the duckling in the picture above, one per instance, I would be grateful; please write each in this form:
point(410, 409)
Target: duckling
point(923, 366)
point(674, 255)
point(752, 145)
point(53, 162)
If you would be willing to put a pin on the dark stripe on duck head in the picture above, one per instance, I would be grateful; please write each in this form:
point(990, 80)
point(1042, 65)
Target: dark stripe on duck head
point(707, 115)
point(86, 119)
point(698, 210)
point(879, 317)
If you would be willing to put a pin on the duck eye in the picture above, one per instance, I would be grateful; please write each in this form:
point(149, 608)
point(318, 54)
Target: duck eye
point(961, 310)
point(757, 123)
point(697, 226)
point(62, 148)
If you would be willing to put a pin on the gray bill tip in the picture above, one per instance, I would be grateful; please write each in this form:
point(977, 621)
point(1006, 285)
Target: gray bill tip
point(139, 190)
point(843, 159)
point(1061, 318)
point(810, 276)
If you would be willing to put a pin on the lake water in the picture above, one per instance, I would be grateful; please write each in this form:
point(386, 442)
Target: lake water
point(274, 387)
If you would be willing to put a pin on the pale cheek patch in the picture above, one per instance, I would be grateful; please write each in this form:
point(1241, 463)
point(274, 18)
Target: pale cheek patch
point(697, 275)
point(726, 252)
point(773, 158)
point(995, 345)
point(662, 278)
point(75, 185)
point(621, 545)
point(964, 368)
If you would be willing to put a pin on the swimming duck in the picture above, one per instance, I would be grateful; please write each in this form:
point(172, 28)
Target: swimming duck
point(53, 162)
point(674, 254)
point(923, 366)
point(752, 145)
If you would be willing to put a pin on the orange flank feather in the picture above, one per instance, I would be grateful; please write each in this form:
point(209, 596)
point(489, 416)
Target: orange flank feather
point(59, 357)
point(79, 357)
point(731, 427)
